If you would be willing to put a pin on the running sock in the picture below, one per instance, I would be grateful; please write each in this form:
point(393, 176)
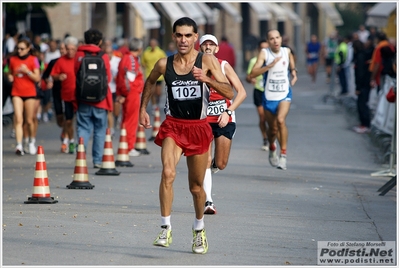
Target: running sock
point(66, 141)
point(32, 140)
point(207, 184)
point(71, 141)
point(272, 147)
point(166, 221)
point(26, 140)
point(283, 151)
point(199, 224)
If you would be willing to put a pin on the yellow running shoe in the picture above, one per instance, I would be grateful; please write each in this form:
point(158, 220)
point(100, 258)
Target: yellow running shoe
point(164, 238)
point(200, 243)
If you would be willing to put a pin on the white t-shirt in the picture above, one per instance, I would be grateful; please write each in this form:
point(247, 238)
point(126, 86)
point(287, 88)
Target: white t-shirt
point(114, 62)
point(51, 55)
point(10, 44)
point(363, 35)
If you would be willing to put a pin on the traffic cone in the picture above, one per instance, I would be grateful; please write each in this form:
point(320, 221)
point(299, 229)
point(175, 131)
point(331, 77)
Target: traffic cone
point(41, 187)
point(157, 124)
point(80, 177)
point(122, 158)
point(141, 144)
point(108, 164)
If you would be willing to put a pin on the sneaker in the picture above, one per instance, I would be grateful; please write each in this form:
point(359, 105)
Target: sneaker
point(71, 148)
point(19, 150)
point(64, 148)
point(200, 243)
point(32, 148)
point(361, 129)
point(45, 117)
point(265, 146)
point(26, 147)
point(134, 152)
point(164, 238)
point(282, 163)
point(209, 208)
point(214, 168)
point(97, 165)
point(273, 158)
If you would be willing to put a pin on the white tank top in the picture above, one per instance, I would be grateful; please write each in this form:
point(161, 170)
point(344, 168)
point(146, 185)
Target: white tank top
point(276, 79)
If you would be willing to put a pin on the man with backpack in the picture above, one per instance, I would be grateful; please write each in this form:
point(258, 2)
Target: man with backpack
point(93, 95)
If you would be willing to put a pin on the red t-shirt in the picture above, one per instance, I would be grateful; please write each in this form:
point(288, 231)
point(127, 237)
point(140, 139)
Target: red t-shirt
point(66, 65)
point(23, 86)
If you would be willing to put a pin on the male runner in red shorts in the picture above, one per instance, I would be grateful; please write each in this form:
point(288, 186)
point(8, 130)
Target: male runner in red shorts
point(185, 129)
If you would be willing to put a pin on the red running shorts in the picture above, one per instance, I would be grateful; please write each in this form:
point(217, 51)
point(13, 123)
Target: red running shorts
point(192, 136)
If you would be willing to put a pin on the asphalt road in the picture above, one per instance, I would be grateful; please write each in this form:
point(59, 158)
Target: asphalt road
point(266, 217)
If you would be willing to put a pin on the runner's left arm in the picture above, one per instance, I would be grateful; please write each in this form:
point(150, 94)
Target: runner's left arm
point(293, 70)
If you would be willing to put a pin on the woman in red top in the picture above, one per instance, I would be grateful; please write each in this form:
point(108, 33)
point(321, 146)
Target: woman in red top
point(24, 73)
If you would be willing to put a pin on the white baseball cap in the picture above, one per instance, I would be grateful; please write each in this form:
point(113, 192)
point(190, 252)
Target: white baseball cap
point(210, 38)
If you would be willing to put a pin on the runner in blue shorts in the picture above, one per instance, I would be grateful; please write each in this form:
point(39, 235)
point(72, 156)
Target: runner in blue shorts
point(277, 65)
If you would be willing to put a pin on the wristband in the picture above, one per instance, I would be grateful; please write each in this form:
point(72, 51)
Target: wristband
point(29, 73)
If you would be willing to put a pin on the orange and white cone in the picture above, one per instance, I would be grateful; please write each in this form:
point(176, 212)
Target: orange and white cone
point(122, 158)
point(157, 124)
point(108, 164)
point(141, 144)
point(80, 177)
point(41, 187)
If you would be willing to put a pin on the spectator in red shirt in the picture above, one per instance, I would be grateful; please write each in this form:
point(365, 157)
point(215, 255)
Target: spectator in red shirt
point(376, 65)
point(24, 73)
point(64, 71)
point(226, 52)
point(129, 85)
point(93, 116)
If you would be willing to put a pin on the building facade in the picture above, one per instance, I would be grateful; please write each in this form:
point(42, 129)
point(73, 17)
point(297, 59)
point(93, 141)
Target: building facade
point(243, 23)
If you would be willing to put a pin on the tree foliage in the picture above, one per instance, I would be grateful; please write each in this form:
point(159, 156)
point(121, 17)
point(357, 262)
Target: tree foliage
point(353, 15)
point(21, 8)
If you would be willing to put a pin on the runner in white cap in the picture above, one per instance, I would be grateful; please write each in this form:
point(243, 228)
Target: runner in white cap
point(221, 117)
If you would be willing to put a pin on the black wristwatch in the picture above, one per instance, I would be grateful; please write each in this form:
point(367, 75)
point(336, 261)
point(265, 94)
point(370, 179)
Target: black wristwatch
point(228, 112)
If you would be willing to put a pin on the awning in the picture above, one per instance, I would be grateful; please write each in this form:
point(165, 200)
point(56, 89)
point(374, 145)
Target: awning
point(292, 15)
point(173, 11)
point(232, 11)
point(209, 13)
point(278, 11)
point(261, 10)
point(195, 12)
point(378, 15)
point(148, 14)
point(331, 12)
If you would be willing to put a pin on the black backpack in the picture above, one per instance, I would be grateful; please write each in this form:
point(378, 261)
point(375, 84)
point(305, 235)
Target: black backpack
point(91, 79)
